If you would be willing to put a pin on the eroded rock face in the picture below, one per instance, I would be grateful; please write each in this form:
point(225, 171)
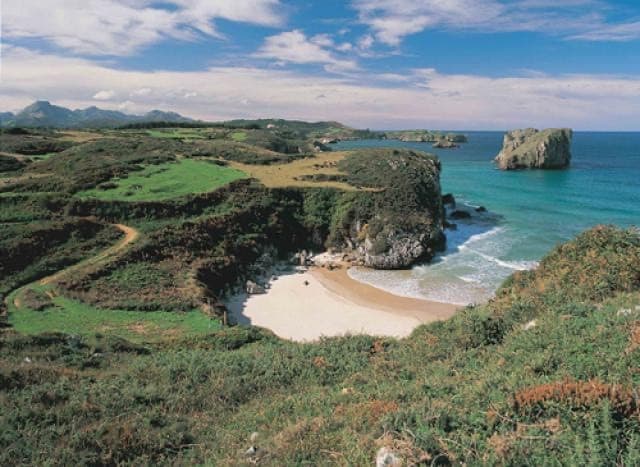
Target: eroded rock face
point(533, 149)
point(402, 249)
point(399, 221)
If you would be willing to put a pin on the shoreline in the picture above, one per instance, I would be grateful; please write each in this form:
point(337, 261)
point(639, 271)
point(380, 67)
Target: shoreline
point(306, 305)
point(340, 282)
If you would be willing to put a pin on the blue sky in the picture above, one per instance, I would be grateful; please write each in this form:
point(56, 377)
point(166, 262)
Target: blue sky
point(460, 64)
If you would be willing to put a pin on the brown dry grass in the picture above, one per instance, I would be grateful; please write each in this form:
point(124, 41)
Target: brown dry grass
point(369, 412)
point(78, 136)
point(579, 394)
point(284, 175)
point(634, 339)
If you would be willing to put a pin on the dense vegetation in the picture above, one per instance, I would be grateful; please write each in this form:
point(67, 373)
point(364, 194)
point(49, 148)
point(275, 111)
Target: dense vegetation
point(140, 371)
point(10, 164)
point(32, 142)
point(202, 233)
point(31, 251)
point(482, 388)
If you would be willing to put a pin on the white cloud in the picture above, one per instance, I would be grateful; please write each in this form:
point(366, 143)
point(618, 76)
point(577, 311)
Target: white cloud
point(141, 92)
point(344, 47)
point(104, 95)
point(426, 98)
point(322, 40)
point(125, 106)
point(392, 20)
point(365, 42)
point(122, 27)
point(615, 32)
point(295, 47)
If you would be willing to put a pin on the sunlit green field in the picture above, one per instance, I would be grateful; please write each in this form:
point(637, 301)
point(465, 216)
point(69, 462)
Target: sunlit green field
point(239, 136)
point(74, 317)
point(187, 133)
point(165, 181)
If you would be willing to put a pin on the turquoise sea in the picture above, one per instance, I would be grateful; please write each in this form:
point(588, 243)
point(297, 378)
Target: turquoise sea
point(529, 212)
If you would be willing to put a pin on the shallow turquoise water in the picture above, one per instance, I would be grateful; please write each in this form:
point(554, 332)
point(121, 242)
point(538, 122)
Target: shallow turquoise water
point(529, 211)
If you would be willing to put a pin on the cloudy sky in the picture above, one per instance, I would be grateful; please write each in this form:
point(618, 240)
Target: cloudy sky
point(452, 64)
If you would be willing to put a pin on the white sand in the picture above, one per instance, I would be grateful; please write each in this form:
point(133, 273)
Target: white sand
point(332, 304)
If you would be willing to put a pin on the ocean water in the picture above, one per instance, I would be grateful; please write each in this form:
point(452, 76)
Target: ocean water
point(529, 212)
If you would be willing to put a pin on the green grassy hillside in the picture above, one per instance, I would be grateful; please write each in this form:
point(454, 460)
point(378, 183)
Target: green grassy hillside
point(117, 355)
point(546, 372)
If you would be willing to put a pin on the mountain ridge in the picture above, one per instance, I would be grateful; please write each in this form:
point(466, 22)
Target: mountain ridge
point(44, 114)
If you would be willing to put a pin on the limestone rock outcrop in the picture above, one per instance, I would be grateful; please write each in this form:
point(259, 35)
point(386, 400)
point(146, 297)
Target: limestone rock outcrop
point(534, 149)
point(397, 220)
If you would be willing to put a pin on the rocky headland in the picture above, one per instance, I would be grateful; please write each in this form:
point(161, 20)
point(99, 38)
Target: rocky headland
point(445, 144)
point(424, 136)
point(533, 149)
point(399, 221)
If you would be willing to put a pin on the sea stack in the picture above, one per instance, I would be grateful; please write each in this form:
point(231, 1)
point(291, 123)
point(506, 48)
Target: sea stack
point(534, 149)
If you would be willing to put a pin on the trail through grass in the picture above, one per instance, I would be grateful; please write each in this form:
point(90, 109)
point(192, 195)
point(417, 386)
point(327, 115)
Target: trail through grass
point(63, 314)
point(165, 181)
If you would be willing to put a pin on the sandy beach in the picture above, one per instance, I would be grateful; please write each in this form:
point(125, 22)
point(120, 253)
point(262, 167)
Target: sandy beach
point(332, 304)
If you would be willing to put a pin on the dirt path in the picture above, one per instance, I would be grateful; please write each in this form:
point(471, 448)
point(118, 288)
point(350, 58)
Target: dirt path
point(130, 236)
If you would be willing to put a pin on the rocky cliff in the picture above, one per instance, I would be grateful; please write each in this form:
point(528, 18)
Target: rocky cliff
point(533, 149)
point(399, 220)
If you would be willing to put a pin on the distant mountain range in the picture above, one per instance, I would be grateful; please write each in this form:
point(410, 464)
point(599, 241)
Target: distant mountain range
point(45, 114)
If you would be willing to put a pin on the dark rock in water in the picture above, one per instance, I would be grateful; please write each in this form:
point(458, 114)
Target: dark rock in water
point(481, 209)
point(449, 200)
point(460, 215)
point(456, 138)
point(445, 144)
point(533, 149)
point(319, 146)
point(450, 225)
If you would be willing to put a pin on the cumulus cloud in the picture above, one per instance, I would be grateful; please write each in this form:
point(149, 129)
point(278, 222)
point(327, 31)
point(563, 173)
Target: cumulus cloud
point(424, 98)
point(122, 27)
point(104, 95)
point(392, 20)
point(296, 47)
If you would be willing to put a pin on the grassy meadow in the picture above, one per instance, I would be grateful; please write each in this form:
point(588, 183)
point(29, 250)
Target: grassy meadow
point(74, 317)
point(546, 374)
point(239, 136)
point(177, 133)
point(165, 181)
